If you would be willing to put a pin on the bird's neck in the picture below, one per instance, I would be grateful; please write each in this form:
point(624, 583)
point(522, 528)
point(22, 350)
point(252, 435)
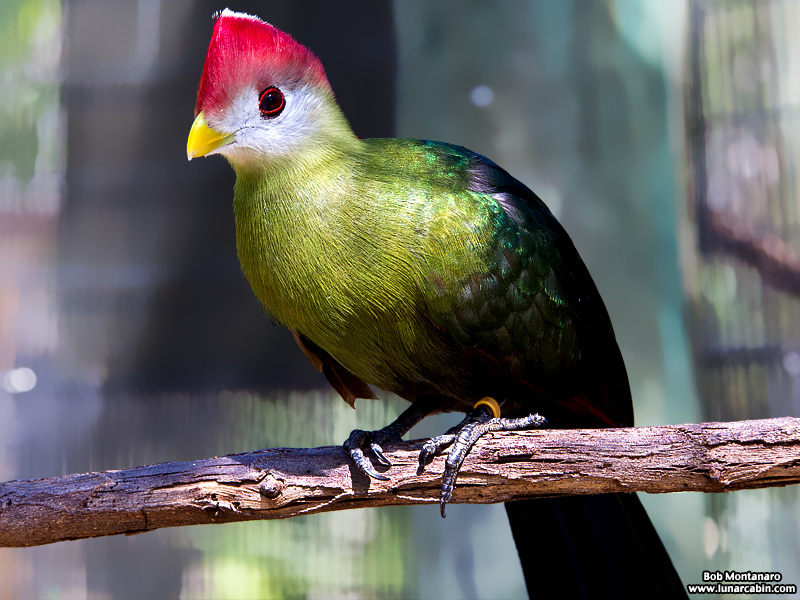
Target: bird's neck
point(289, 186)
point(285, 212)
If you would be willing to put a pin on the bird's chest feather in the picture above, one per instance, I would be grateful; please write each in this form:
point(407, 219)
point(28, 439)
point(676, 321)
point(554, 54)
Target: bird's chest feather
point(354, 295)
point(287, 255)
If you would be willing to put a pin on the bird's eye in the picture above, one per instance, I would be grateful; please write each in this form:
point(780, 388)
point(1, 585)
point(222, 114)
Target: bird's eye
point(271, 102)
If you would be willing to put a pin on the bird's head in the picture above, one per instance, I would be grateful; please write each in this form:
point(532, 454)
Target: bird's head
point(263, 96)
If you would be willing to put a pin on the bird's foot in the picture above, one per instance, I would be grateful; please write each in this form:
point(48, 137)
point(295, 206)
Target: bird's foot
point(393, 433)
point(485, 417)
point(359, 440)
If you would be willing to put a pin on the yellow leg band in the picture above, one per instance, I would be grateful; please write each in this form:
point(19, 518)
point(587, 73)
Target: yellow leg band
point(491, 403)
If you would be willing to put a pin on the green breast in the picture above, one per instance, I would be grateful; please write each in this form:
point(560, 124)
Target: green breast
point(346, 256)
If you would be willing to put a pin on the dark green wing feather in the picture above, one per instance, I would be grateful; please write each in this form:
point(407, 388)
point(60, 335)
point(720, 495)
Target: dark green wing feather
point(532, 325)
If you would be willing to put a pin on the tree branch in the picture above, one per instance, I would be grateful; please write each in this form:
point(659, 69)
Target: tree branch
point(280, 483)
point(775, 260)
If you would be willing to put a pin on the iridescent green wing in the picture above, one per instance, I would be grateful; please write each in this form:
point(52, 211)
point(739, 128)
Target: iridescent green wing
point(526, 312)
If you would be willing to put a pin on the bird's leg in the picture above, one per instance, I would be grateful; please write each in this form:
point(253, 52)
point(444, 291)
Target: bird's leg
point(393, 432)
point(481, 420)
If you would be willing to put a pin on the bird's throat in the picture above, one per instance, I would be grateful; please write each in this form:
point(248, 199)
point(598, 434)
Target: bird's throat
point(289, 243)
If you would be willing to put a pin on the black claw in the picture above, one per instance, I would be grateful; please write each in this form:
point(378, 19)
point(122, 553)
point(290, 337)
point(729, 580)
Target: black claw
point(448, 483)
point(357, 455)
point(424, 458)
point(432, 447)
point(360, 439)
point(375, 475)
point(378, 452)
point(368, 469)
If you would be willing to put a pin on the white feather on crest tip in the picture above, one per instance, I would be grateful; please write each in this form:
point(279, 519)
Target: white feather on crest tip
point(227, 12)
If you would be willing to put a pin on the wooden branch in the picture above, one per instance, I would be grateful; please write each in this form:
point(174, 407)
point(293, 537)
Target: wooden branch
point(280, 483)
point(775, 260)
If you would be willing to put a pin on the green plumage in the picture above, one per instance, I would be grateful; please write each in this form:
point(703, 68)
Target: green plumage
point(426, 270)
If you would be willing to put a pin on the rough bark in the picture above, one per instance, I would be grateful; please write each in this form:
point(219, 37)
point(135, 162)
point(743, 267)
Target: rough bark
point(280, 483)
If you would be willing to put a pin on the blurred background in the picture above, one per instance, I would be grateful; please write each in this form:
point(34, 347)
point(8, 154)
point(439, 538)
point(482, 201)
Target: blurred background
point(664, 136)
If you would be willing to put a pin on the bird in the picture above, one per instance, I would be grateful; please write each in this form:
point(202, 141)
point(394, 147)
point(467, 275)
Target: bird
point(424, 269)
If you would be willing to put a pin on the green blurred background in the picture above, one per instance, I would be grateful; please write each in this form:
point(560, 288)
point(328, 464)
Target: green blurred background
point(664, 135)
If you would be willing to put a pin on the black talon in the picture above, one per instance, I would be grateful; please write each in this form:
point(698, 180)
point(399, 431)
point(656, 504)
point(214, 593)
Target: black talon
point(378, 452)
point(432, 447)
point(353, 445)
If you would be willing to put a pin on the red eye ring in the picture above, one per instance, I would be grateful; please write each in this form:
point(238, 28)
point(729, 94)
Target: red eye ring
point(271, 102)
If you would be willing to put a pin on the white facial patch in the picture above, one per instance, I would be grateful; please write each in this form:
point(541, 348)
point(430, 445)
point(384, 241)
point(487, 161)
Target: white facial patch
point(296, 129)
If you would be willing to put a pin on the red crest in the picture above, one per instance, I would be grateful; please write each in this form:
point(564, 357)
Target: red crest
point(247, 52)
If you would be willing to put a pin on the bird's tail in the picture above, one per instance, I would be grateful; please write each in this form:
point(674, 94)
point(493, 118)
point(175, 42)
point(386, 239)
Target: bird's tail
point(600, 546)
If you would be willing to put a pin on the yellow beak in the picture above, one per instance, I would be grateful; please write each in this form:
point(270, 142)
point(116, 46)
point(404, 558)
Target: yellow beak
point(203, 139)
